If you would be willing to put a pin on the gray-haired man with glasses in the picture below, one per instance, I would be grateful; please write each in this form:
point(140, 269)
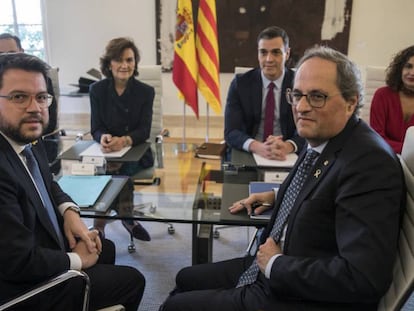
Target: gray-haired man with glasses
point(332, 239)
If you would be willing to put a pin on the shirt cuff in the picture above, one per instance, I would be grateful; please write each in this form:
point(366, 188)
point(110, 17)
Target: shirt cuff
point(75, 261)
point(247, 143)
point(295, 147)
point(270, 264)
point(64, 206)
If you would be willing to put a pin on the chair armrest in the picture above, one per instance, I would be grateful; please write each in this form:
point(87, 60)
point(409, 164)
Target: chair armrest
point(61, 278)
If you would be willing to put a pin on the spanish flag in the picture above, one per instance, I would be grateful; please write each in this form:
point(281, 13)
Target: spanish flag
point(208, 55)
point(185, 63)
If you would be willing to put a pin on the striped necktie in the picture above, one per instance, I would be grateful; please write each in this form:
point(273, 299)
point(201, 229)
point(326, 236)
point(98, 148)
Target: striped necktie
point(250, 275)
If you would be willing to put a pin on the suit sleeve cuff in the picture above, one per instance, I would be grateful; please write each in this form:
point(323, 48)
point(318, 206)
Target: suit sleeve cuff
point(270, 264)
point(75, 261)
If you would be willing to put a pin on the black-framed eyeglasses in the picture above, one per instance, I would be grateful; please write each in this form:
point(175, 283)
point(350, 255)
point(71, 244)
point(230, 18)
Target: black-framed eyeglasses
point(315, 99)
point(23, 100)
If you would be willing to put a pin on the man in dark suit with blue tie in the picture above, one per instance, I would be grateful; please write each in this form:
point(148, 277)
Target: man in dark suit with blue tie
point(11, 44)
point(41, 233)
point(332, 240)
point(251, 124)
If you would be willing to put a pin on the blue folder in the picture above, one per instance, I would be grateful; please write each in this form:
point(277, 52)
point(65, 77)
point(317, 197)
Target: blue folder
point(84, 190)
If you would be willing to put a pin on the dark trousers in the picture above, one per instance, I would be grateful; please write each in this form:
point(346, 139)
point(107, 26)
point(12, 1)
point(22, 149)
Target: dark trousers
point(110, 285)
point(212, 287)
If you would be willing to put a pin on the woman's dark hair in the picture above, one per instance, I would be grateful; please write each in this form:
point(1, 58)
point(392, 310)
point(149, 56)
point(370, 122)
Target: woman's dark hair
point(114, 50)
point(394, 69)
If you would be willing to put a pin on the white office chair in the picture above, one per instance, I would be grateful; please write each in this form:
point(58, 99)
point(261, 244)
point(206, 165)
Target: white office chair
point(403, 276)
point(152, 75)
point(238, 69)
point(49, 284)
point(374, 79)
point(61, 278)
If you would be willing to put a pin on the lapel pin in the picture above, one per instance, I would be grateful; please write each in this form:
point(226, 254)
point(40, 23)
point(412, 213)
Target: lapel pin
point(326, 163)
point(317, 173)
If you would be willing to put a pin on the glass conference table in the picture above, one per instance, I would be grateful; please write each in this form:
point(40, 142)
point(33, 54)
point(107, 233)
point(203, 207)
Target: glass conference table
point(188, 190)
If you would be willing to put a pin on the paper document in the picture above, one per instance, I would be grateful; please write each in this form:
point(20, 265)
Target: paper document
point(261, 186)
point(289, 162)
point(84, 190)
point(94, 150)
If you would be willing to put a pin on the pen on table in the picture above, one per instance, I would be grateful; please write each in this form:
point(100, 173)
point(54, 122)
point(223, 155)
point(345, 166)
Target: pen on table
point(257, 204)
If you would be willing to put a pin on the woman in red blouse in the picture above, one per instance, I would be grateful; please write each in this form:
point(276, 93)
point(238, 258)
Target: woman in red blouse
point(392, 107)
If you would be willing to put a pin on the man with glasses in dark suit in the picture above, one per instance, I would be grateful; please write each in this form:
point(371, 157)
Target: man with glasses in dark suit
point(41, 233)
point(12, 44)
point(332, 240)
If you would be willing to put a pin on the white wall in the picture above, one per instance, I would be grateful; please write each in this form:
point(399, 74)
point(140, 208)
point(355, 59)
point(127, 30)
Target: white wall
point(78, 30)
point(379, 29)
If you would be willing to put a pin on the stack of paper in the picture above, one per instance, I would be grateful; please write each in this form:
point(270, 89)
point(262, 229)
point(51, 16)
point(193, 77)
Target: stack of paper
point(94, 150)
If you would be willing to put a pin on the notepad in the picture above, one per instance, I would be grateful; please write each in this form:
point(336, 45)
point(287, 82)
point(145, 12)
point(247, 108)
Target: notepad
point(210, 151)
point(263, 162)
point(94, 150)
point(84, 190)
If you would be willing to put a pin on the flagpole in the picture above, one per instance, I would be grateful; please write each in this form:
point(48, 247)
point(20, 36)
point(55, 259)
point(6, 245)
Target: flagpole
point(207, 121)
point(183, 147)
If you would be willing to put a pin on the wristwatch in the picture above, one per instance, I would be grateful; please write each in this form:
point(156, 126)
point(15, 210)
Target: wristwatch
point(74, 208)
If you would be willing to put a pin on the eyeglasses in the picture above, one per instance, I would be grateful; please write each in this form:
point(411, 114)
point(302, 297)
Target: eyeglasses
point(23, 100)
point(315, 99)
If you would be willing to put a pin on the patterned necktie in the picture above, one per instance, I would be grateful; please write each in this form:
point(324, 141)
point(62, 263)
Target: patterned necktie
point(33, 167)
point(269, 112)
point(250, 275)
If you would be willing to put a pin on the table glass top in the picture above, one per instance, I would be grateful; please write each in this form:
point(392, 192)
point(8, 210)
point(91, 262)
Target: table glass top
point(189, 189)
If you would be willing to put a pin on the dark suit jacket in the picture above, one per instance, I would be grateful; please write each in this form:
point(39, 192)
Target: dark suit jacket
point(30, 248)
point(342, 232)
point(244, 107)
point(130, 114)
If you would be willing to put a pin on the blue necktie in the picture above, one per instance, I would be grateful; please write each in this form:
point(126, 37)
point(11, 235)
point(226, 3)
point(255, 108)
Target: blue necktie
point(33, 167)
point(250, 275)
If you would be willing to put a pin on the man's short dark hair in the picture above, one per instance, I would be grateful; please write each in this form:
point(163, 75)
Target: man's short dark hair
point(22, 61)
point(6, 35)
point(274, 32)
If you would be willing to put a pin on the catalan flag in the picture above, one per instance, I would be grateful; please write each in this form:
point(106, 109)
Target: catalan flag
point(185, 63)
point(207, 54)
